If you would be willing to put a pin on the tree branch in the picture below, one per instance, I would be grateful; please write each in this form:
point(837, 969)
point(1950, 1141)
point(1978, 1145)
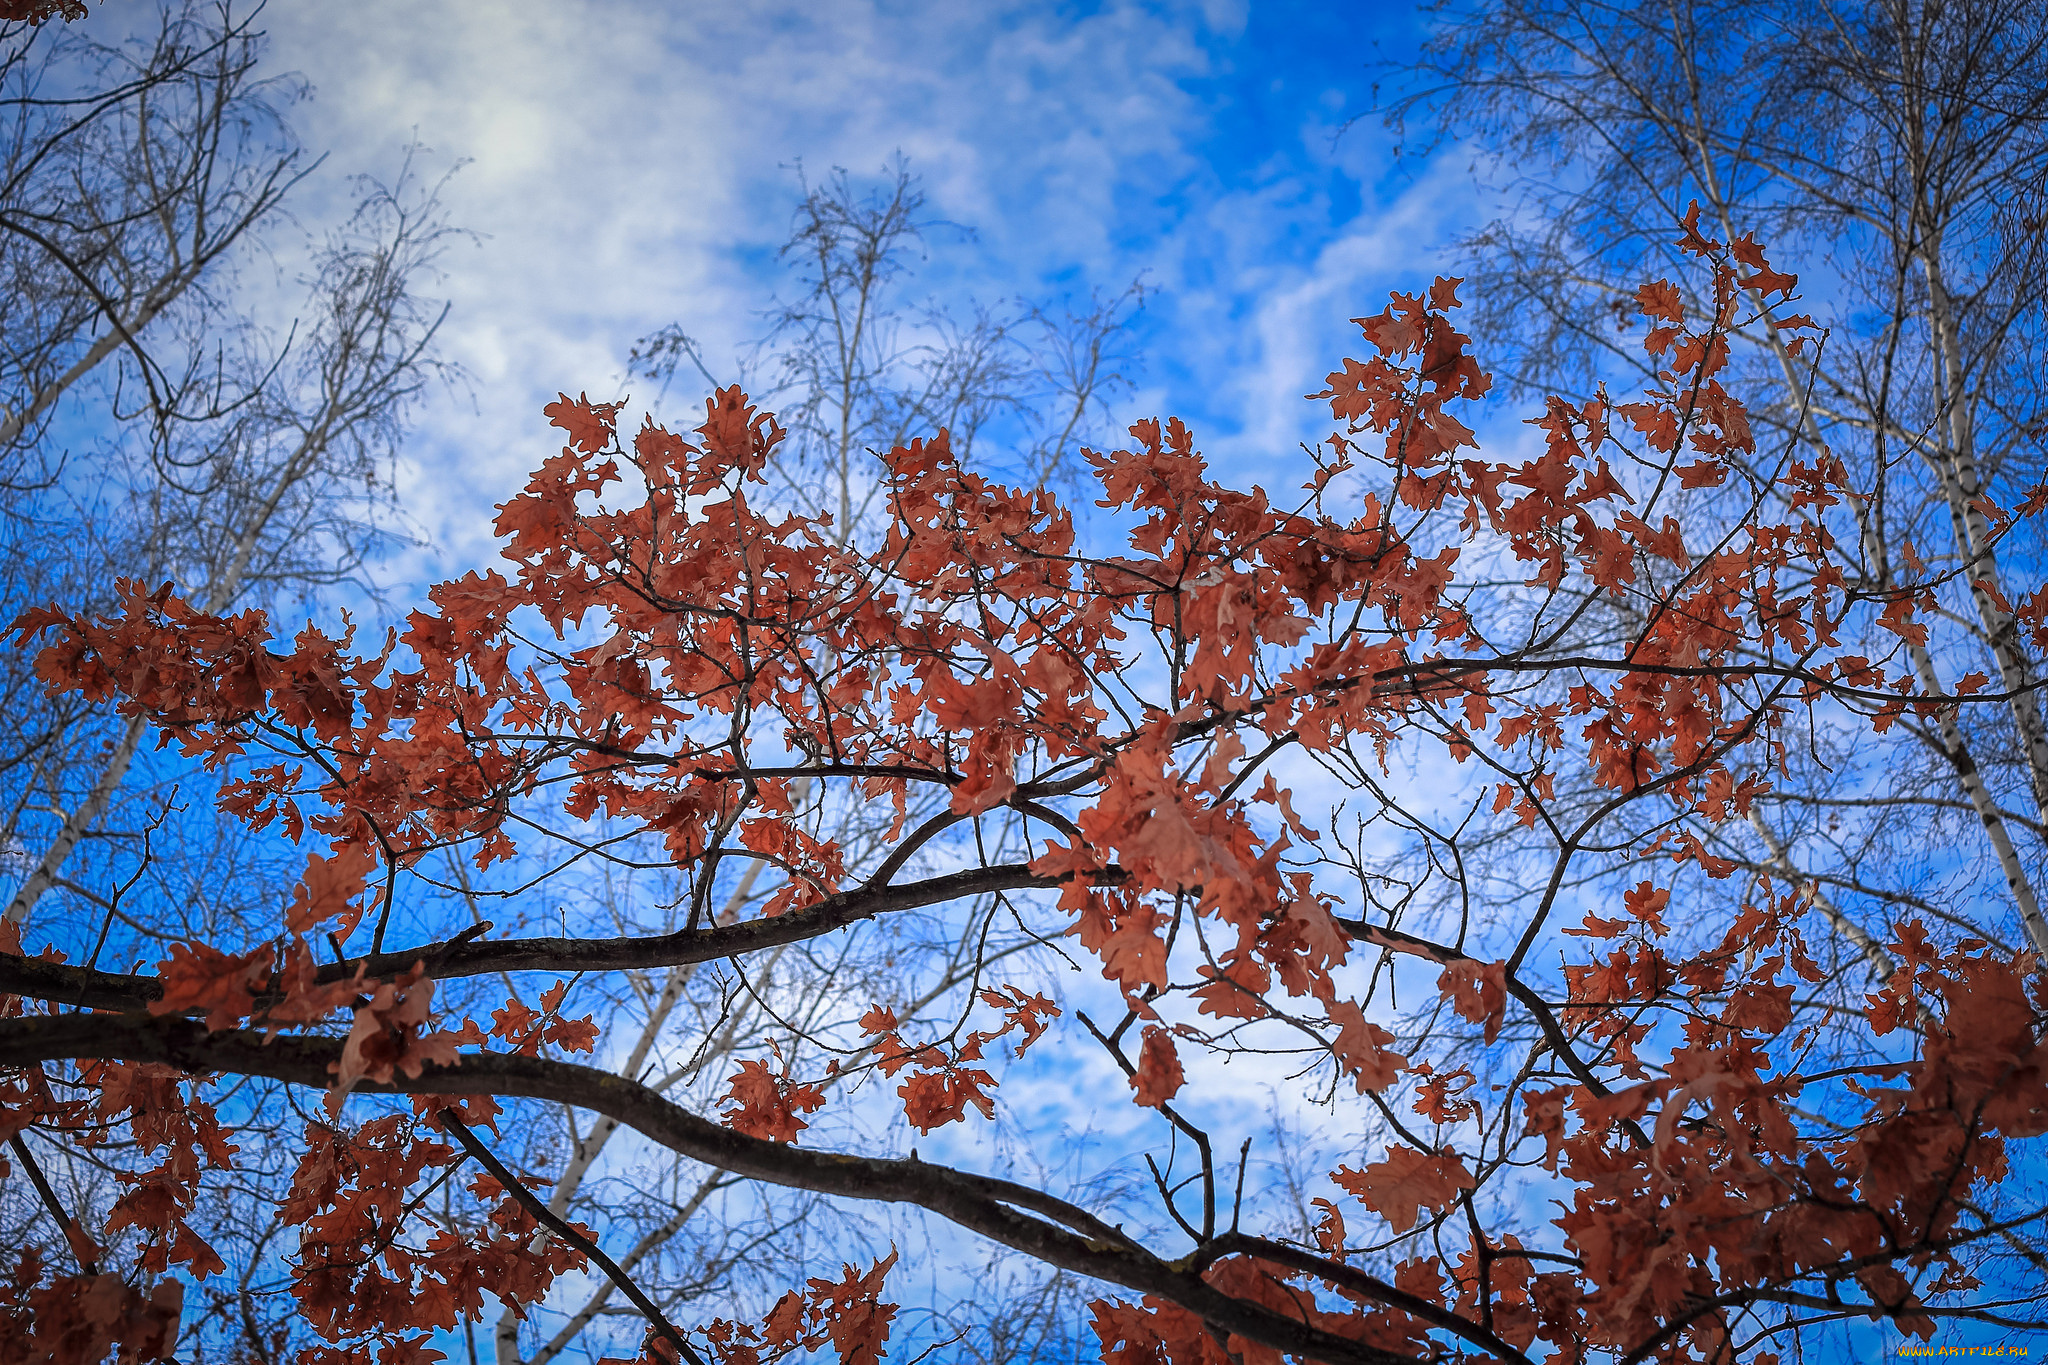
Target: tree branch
point(58, 983)
point(561, 1228)
point(981, 1204)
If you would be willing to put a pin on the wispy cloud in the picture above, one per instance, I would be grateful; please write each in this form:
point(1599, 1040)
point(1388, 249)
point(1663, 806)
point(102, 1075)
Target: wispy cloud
point(631, 166)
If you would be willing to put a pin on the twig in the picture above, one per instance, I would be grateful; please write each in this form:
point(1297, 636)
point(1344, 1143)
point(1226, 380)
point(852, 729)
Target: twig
point(73, 1233)
point(560, 1228)
point(1237, 1204)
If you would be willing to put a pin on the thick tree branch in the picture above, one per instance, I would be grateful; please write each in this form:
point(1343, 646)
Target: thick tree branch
point(1356, 1280)
point(981, 1204)
point(61, 984)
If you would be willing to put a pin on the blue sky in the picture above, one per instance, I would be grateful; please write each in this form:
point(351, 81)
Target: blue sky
point(630, 166)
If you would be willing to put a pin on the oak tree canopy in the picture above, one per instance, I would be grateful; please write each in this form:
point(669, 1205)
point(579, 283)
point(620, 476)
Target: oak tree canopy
point(1625, 1122)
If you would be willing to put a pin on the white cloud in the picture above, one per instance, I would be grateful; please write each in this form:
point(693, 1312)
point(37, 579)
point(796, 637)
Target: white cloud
point(629, 168)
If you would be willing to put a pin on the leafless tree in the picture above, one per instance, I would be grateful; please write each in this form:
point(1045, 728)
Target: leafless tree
point(1895, 152)
point(853, 365)
point(150, 429)
point(153, 428)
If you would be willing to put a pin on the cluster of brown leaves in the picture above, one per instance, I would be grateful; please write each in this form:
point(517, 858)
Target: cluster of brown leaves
point(979, 651)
